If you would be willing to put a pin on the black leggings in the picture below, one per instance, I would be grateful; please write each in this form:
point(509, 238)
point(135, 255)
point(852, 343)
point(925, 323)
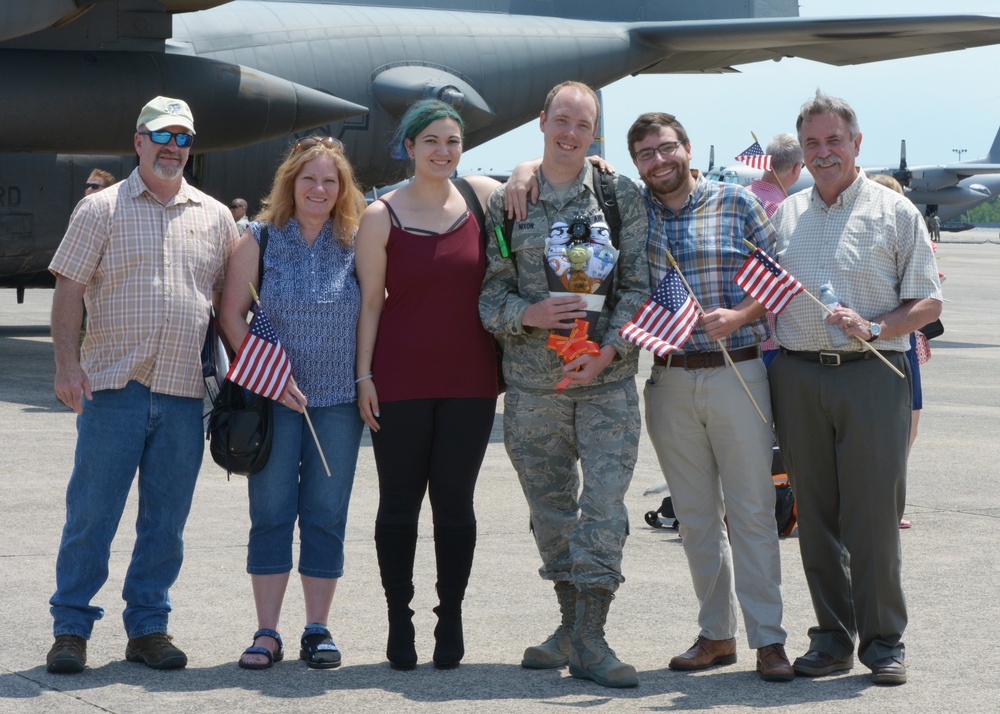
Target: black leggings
point(435, 445)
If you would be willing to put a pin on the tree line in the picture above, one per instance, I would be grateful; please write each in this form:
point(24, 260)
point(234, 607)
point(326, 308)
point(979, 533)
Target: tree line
point(988, 212)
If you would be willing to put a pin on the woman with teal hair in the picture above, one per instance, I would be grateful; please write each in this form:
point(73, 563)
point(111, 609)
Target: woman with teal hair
point(426, 371)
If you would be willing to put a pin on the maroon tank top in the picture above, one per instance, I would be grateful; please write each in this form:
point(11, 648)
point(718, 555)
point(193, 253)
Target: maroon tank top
point(431, 342)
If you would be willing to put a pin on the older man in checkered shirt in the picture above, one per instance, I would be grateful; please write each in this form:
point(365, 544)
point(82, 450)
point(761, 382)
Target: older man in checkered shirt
point(842, 417)
point(146, 256)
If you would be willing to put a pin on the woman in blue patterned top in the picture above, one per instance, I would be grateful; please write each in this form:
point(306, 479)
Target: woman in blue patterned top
point(311, 294)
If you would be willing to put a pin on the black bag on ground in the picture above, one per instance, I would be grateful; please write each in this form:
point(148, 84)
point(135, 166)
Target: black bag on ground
point(240, 430)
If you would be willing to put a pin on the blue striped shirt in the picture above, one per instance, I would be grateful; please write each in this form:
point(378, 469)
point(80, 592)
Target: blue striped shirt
point(705, 237)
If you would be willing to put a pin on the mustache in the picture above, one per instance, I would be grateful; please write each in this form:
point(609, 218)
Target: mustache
point(821, 163)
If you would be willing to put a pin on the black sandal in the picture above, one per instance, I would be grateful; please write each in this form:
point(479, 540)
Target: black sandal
point(318, 649)
point(272, 657)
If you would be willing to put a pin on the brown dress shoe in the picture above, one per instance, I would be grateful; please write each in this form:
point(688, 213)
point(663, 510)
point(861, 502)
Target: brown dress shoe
point(773, 665)
point(704, 653)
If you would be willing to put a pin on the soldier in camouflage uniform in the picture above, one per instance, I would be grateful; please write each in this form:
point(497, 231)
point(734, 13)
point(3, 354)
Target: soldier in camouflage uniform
point(579, 533)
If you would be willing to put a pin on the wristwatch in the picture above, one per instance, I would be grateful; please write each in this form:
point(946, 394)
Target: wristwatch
point(875, 329)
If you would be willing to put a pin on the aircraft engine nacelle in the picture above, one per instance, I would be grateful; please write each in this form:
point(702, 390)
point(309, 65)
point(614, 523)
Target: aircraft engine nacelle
point(398, 86)
point(87, 102)
point(932, 179)
point(951, 196)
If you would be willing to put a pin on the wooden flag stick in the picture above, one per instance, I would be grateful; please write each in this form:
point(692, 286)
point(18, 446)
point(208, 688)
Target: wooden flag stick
point(867, 345)
point(725, 352)
point(305, 412)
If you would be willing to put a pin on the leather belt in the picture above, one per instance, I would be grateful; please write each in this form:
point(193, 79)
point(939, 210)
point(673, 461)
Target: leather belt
point(702, 360)
point(830, 359)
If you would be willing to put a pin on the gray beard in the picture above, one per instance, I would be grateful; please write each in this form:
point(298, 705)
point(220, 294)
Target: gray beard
point(167, 174)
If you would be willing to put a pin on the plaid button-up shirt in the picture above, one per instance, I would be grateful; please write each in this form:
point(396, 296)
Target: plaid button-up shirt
point(706, 239)
point(871, 245)
point(150, 270)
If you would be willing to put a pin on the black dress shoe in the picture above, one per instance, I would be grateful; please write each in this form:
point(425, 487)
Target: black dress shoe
point(889, 670)
point(819, 664)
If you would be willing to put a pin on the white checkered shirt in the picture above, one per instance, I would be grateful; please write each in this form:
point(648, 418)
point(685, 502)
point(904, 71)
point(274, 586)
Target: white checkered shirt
point(871, 245)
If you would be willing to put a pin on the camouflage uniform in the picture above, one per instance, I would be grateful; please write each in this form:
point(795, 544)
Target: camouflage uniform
point(580, 537)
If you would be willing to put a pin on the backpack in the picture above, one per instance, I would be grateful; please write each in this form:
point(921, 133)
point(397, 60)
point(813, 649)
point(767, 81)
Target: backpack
point(785, 514)
point(476, 208)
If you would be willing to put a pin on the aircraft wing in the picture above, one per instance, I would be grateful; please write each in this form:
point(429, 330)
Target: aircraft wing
point(717, 45)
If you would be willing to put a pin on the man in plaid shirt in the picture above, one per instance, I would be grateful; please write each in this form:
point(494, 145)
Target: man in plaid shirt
point(146, 257)
point(714, 448)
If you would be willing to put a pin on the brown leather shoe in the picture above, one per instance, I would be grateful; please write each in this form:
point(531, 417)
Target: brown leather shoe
point(704, 653)
point(773, 665)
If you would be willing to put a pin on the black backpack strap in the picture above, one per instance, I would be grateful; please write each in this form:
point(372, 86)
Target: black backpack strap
point(260, 264)
point(472, 201)
point(604, 187)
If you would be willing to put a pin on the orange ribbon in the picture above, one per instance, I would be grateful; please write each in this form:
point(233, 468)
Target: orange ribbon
point(571, 347)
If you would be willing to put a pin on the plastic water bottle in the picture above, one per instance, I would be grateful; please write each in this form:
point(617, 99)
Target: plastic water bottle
point(828, 297)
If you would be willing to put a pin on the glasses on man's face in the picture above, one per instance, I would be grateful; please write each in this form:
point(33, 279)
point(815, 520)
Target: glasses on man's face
point(667, 148)
point(182, 140)
point(311, 141)
point(92, 186)
point(235, 206)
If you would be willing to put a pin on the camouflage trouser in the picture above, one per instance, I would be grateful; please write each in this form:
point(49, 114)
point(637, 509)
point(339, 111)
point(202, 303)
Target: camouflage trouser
point(580, 533)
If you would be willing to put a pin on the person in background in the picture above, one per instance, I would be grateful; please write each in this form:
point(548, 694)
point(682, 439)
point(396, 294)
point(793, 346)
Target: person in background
point(239, 208)
point(911, 354)
point(426, 372)
point(147, 256)
point(772, 189)
point(98, 180)
point(311, 295)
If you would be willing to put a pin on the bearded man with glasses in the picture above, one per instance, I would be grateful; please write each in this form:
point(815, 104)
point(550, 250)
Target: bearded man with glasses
point(147, 255)
point(714, 448)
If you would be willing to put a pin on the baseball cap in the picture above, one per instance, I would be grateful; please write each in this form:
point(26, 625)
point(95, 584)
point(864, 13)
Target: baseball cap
point(162, 112)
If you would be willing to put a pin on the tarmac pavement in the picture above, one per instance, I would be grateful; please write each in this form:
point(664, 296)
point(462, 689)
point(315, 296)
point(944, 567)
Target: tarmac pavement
point(951, 569)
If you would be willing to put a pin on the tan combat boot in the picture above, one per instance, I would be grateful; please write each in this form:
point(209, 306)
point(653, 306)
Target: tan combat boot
point(554, 652)
point(590, 657)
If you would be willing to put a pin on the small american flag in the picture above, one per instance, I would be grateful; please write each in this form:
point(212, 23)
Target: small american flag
point(261, 364)
point(666, 320)
point(754, 157)
point(767, 282)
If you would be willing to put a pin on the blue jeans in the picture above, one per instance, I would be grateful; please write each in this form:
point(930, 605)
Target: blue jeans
point(120, 431)
point(294, 485)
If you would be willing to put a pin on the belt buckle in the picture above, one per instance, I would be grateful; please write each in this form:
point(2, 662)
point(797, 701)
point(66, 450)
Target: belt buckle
point(829, 359)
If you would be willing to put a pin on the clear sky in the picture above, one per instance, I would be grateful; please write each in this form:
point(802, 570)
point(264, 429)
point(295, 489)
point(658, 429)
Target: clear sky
point(938, 103)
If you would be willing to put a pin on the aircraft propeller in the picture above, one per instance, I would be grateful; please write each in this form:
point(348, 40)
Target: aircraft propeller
point(902, 174)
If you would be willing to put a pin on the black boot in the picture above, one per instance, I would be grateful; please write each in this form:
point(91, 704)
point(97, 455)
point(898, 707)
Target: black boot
point(454, 548)
point(395, 546)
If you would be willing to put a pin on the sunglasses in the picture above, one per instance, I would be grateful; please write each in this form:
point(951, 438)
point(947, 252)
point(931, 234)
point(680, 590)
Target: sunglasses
point(311, 141)
point(92, 185)
point(182, 140)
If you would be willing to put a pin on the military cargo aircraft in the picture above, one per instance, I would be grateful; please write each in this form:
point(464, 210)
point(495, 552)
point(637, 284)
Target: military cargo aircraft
point(261, 73)
point(946, 189)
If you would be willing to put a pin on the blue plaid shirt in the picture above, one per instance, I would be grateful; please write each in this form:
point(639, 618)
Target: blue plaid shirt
point(706, 239)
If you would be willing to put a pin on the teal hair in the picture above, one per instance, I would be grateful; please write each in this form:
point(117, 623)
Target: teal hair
point(417, 118)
